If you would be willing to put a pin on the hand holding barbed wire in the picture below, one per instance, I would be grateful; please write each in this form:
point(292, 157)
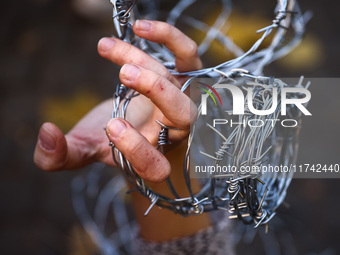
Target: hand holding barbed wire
point(136, 139)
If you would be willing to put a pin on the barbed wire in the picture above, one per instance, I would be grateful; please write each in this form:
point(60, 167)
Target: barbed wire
point(100, 204)
point(252, 197)
point(288, 16)
point(239, 194)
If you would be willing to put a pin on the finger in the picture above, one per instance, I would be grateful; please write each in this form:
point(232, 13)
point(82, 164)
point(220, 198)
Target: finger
point(120, 53)
point(175, 105)
point(148, 162)
point(55, 152)
point(84, 144)
point(51, 148)
point(182, 46)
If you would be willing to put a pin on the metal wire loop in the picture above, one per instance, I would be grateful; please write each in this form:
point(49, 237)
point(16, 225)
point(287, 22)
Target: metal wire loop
point(248, 196)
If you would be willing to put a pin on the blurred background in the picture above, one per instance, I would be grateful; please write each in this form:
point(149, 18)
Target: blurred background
point(50, 71)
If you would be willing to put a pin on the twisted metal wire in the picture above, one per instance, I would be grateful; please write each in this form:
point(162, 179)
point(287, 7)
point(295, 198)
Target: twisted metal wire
point(245, 196)
point(94, 202)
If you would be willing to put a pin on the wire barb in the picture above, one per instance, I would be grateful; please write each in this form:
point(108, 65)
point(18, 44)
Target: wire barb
point(163, 136)
point(122, 13)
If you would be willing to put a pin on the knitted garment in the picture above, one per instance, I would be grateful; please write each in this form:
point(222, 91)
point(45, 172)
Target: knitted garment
point(215, 240)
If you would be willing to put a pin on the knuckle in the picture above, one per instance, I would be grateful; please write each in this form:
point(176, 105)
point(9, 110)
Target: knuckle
point(192, 49)
point(188, 115)
point(126, 52)
point(185, 117)
point(193, 113)
point(122, 54)
point(161, 171)
point(168, 30)
point(134, 148)
point(167, 75)
point(157, 84)
point(155, 168)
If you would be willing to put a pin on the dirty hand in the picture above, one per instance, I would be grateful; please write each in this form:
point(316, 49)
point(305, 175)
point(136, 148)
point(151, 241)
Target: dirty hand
point(136, 137)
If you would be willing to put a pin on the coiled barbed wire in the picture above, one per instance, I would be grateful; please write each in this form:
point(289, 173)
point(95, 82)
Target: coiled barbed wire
point(245, 195)
point(122, 15)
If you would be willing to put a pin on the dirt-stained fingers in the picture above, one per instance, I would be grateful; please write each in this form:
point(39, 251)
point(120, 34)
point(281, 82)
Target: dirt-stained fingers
point(148, 162)
point(175, 105)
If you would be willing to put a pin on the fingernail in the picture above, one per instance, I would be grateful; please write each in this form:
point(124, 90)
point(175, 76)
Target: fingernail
point(130, 72)
point(143, 25)
point(47, 139)
point(115, 128)
point(105, 44)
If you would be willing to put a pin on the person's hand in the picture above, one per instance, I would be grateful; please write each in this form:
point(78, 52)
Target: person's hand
point(160, 99)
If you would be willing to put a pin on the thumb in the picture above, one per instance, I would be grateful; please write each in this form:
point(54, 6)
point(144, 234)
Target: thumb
point(55, 151)
point(51, 149)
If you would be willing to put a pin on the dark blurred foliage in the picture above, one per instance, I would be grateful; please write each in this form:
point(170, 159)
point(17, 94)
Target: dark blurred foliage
point(50, 71)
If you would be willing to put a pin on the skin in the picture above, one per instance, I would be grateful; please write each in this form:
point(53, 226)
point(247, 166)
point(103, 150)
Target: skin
point(137, 136)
